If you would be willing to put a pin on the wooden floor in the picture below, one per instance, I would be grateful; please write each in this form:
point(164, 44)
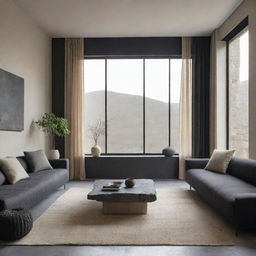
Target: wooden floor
point(244, 249)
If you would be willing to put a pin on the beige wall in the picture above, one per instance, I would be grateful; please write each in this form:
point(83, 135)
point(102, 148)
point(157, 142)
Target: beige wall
point(247, 8)
point(25, 50)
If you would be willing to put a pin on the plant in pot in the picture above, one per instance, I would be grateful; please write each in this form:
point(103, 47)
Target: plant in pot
point(96, 130)
point(56, 127)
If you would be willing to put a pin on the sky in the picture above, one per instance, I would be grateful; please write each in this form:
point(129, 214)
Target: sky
point(126, 76)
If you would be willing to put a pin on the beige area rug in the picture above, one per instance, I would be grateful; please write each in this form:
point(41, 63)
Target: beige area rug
point(178, 217)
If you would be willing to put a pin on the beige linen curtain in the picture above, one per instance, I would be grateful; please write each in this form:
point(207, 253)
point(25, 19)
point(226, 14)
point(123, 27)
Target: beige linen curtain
point(74, 56)
point(185, 106)
point(213, 92)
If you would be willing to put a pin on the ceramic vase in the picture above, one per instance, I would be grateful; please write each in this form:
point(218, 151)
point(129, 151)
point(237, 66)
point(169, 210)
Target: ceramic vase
point(54, 154)
point(96, 151)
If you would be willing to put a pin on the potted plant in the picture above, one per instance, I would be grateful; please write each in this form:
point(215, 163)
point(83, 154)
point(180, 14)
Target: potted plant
point(96, 131)
point(56, 127)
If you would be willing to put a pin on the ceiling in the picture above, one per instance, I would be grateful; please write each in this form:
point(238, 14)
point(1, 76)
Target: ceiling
point(128, 18)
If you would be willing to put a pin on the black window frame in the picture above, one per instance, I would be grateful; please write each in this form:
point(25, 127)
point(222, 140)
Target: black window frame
point(231, 35)
point(105, 58)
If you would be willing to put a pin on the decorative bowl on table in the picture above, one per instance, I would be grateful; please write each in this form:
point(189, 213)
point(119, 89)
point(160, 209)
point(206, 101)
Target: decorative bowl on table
point(130, 182)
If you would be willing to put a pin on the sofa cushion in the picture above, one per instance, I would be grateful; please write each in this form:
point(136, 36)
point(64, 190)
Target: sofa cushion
point(218, 189)
point(12, 169)
point(243, 169)
point(37, 160)
point(27, 193)
point(2, 178)
point(219, 160)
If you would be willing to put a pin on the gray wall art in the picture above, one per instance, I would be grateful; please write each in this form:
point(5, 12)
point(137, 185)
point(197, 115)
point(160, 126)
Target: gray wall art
point(11, 102)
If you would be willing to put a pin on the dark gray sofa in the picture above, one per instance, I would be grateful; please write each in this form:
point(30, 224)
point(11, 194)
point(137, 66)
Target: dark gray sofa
point(29, 192)
point(232, 194)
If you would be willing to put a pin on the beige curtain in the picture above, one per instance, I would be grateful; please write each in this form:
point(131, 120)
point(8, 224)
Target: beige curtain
point(213, 92)
point(185, 106)
point(74, 56)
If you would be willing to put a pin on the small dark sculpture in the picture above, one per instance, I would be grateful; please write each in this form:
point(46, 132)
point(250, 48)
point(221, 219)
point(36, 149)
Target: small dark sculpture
point(15, 224)
point(168, 151)
point(129, 183)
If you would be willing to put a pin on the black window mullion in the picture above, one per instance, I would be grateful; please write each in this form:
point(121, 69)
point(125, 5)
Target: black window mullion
point(227, 95)
point(169, 106)
point(106, 108)
point(144, 110)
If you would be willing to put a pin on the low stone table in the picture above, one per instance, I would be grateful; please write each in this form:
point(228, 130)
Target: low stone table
point(126, 200)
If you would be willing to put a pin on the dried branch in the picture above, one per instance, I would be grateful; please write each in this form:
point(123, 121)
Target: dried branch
point(97, 130)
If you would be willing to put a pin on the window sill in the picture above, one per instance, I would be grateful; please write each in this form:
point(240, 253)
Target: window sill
point(132, 155)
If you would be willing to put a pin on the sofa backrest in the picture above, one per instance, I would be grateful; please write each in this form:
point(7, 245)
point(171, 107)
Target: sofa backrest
point(244, 169)
point(23, 162)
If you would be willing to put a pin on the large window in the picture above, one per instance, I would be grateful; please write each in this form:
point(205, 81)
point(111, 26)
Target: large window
point(238, 130)
point(137, 99)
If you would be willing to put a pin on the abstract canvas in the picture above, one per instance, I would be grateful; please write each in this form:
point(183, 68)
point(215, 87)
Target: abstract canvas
point(11, 102)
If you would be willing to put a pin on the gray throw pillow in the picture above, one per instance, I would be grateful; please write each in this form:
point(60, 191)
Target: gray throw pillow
point(2, 178)
point(37, 160)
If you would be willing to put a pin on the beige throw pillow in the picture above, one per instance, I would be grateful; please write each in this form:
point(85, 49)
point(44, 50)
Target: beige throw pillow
point(219, 160)
point(12, 169)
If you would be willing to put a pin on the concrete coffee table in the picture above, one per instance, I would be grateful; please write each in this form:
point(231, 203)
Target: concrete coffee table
point(126, 200)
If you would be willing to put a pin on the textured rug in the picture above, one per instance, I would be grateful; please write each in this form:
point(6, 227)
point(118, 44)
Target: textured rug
point(178, 217)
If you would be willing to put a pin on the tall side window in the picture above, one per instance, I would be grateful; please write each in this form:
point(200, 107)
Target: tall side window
point(238, 112)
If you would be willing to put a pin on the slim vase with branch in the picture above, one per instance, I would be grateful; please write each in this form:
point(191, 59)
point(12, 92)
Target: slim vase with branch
point(96, 131)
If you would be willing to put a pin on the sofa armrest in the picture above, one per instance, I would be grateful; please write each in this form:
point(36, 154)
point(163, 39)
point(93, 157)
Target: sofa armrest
point(245, 211)
point(246, 198)
point(59, 163)
point(196, 163)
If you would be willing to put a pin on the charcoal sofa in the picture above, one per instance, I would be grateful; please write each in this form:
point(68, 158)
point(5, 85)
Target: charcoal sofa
point(29, 192)
point(232, 194)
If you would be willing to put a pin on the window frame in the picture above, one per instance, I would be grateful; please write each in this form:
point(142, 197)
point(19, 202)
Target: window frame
point(105, 58)
point(229, 38)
